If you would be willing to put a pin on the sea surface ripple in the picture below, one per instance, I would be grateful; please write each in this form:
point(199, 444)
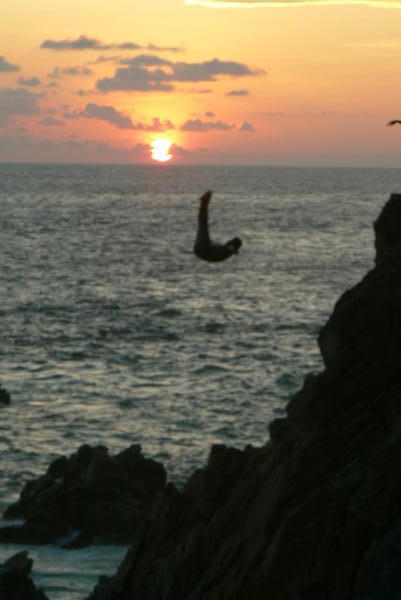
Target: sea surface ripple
point(114, 333)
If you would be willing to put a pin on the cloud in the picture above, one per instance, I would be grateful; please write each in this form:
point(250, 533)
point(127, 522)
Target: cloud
point(200, 91)
point(209, 70)
point(81, 43)
point(155, 48)
point(156, 125)
point(31, 82)
point(86, 43)
point(147, 72)
point(72, 150)
point(199, 125)
point(237, 93)
point(143, 151)
point(136, 78)
point(52, 122)
point(6, 67)
point(17, 102)
point(209, 114)
point(103, 59)
point(103, 113)
point(258, 3)
point(248, 127)
point(146, 60)
point(179, 151)
point(118, 119)
point(59, 72)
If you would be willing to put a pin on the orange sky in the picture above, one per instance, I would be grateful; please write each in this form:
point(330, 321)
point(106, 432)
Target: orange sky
point(94, 81)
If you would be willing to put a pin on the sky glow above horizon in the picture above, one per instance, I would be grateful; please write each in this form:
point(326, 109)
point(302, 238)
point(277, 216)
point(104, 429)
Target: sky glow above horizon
point(286, 3)
point(285, 84)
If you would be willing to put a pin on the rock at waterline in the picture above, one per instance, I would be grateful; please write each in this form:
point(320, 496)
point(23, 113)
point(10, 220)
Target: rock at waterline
point(315, 514)
point(15, 583)
point(5, 398)
point(91, 495)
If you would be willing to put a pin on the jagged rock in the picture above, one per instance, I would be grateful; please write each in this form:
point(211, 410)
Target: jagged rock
point(315, 514)
point(96, 495)
point(5, 397)
point(15, 583)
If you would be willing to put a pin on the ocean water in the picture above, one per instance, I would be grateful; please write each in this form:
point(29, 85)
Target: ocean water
point(113, 332)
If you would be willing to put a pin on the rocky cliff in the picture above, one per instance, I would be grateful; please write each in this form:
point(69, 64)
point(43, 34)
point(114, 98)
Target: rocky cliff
point(15, 581)
point(87, 497)
point(315, 514)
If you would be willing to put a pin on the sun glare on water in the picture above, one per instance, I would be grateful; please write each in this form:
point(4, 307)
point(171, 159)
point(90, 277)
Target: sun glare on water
point(161, 149)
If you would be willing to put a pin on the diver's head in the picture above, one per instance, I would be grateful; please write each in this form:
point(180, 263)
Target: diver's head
point(235, 244)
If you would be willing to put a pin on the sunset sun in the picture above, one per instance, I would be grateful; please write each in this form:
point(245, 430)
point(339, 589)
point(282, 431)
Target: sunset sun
point(160, 149)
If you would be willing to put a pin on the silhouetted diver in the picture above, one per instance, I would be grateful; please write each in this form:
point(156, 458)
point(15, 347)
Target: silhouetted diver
point(206, 249)
point(393, 122)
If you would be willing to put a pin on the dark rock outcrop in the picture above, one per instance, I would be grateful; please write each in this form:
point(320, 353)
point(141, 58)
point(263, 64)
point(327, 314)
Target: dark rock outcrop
point(93, 494)
point(15, 583)
point(5, 398)
point(315, 514)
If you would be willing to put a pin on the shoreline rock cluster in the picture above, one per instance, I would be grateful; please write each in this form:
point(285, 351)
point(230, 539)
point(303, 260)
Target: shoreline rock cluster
point(314, 514)
point(90, 496)
point(15, 583)
point(5, 398)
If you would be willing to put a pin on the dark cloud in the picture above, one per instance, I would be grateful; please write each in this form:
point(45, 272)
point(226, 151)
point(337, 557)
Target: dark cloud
point(143, 151)
point(200, 91)
point(135, 79)
point(6, 67)
point(87, 43)
point(76, 71)
point(118, 119)
point(248, 127)
point(199, 125)
point(147, 72)
point(209, 114)
point(155, 48)
point(179, 151)
point(237, 93)
point(17, 102)
point(146, 60)
point(72, 149)
point(157, 125)
point(52, 122)
point(103, 59)
point(210, 69)
point(61, 71)
point(30, 82)
point(103, 113)
point(81, 43)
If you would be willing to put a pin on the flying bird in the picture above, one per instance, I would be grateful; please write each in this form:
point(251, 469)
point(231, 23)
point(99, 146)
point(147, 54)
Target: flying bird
point(394, 122)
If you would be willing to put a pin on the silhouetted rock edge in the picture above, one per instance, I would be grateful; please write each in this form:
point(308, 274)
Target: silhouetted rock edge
point(315, 514)
point(89, 496)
